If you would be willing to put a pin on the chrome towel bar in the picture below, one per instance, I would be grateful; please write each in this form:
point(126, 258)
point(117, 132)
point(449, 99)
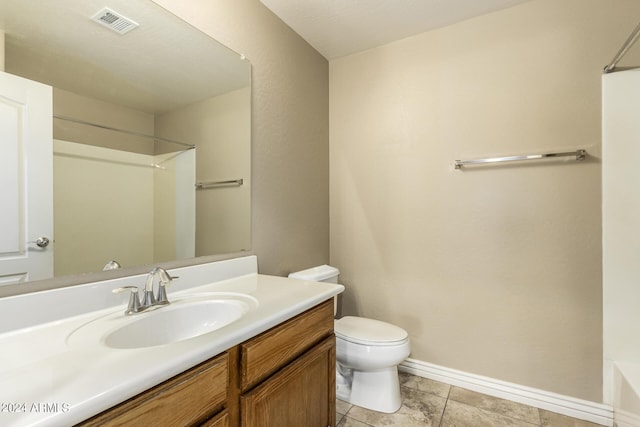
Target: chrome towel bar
point(216, 184)
point(578, 154)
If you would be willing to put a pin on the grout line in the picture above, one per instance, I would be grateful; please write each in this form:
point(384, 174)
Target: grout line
point(444, 408)
point(446, 402)
point(540, 417)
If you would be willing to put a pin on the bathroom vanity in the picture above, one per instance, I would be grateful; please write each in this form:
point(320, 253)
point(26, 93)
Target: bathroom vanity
point(283, 377)
point(273, 365)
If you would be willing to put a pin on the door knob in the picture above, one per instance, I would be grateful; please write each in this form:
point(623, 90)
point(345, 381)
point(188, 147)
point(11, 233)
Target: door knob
point(41, 242)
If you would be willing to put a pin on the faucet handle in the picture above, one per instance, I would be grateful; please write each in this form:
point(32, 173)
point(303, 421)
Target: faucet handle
point(134, 301)
point(162, 293)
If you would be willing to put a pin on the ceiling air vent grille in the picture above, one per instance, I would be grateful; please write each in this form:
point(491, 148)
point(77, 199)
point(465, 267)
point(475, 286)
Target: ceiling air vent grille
point(114, 21)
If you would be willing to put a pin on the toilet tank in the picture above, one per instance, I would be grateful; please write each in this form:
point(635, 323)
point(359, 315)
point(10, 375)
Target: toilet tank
point(321, 273)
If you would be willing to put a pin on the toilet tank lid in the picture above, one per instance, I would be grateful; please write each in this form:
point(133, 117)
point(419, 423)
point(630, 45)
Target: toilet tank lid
point(316, 274)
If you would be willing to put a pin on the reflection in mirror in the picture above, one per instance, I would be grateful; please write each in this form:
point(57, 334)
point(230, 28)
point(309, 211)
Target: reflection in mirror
point(140, 118)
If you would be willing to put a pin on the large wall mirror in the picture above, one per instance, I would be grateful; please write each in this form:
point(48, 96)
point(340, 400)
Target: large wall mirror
point(150, 127)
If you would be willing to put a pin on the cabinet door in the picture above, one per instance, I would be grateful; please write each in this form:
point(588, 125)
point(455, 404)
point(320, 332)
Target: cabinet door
point(220, 420)
point(301, 394)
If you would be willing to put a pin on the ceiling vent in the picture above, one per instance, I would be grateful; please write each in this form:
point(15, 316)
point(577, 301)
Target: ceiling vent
point(114, 21)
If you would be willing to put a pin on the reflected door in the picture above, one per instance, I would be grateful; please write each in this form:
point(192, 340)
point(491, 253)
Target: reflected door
point(26, 187)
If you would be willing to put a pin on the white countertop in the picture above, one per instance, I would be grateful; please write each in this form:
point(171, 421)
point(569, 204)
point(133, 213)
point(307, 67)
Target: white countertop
point(47, 381)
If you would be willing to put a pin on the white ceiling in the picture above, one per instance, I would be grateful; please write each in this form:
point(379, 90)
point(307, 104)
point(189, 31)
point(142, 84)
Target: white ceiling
point(337, 28)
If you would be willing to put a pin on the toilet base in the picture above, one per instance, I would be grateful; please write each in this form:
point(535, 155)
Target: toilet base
point(378, 390)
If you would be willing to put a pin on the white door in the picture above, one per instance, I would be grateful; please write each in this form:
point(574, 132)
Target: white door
point(26, 180)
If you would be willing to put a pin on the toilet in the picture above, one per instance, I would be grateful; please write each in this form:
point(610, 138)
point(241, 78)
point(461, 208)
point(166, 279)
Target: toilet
point(368, 353)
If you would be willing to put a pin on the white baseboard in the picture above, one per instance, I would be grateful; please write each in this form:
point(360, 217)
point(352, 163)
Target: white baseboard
point(627, 419)
point(560, 404)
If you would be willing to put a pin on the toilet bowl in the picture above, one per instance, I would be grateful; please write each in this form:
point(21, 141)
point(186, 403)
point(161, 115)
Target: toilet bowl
point(368, 352)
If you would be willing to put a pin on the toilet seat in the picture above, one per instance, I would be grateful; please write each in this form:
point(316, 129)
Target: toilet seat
point(361, 330)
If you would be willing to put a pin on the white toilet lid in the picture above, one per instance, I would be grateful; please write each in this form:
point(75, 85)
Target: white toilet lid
point(361, 330)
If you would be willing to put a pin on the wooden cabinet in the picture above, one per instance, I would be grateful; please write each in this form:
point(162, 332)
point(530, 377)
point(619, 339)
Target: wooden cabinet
point(301, 394)
point(263, 355)
point(282, 377)
point(294, 365)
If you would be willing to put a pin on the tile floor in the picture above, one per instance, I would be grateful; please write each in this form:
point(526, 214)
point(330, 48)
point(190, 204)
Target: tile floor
point(430, 403)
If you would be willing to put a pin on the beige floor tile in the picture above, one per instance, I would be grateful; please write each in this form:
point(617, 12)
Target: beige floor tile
point(424, 384)
point(550, 419)
point(419, 409)
point(342, 407)
point(460, 415)
point(496, 405)
point(424, 402)
point(350, 422)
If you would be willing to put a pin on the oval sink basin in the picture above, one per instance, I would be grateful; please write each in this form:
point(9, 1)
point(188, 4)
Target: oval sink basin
point(181, 320)
point(176, 323)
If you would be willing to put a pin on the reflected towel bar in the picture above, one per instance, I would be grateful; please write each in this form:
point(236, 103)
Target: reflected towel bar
point(578, 154)
point(216, 184)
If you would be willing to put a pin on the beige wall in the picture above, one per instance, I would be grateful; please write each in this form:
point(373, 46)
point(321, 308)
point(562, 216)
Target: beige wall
point(89, 175)
point(1, 50)
point(112, 205)
point(103, 204)
point(290, 134)
point(492, 270)
point(219, 127)
point(78, 107)
point(153, 239)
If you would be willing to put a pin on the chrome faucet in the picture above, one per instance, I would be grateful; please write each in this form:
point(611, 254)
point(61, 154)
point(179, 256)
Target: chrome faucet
point(164, 279)
point(111, 265)
point(149, 298)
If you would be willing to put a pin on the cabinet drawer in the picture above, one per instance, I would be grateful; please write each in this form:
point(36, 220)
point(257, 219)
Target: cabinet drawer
point(182, 400)
point(263, 355)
